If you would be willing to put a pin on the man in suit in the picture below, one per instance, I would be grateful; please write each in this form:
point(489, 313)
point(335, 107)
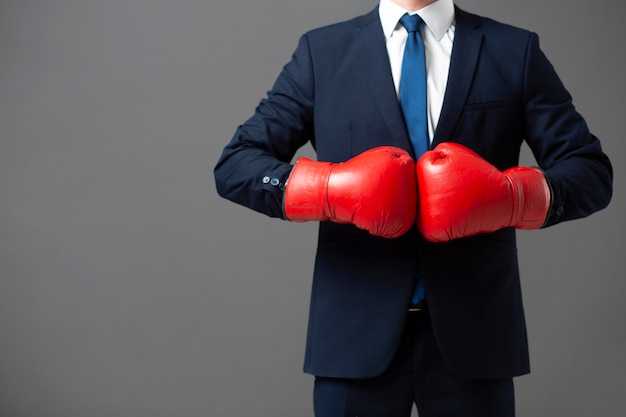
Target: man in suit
point(416, 293)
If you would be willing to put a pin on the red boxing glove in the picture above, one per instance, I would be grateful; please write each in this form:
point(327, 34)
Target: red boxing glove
point(461, 195)
point(375, 191)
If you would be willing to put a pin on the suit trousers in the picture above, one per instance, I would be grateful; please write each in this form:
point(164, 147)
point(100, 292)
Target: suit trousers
point(417, 374)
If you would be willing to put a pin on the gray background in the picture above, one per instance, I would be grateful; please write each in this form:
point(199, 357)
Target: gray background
point(129, 288)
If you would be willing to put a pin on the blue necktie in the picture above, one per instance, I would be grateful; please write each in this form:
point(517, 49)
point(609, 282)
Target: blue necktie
point(413, 101)
point(413, 85)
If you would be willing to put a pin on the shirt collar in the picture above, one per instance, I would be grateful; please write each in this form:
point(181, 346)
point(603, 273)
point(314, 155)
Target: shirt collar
point(438, 16)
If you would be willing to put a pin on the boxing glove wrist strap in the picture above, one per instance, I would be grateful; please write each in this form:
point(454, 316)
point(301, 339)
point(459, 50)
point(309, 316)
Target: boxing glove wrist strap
point(305, 195)
point(533, 197)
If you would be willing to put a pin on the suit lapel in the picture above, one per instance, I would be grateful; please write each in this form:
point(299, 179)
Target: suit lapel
point(465, 53)
point(378, 73)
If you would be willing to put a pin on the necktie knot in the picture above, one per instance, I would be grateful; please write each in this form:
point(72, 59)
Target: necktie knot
point(411, 22)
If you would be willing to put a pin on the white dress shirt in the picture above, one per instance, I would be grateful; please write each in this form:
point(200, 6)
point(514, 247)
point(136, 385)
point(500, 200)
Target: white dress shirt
point(438, 35)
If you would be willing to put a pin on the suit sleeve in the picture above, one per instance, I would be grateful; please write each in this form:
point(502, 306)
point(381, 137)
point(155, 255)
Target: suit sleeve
point(579, 173)
point(255, 165)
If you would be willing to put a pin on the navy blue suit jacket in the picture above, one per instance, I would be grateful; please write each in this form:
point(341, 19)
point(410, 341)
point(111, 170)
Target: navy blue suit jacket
point(337, 92)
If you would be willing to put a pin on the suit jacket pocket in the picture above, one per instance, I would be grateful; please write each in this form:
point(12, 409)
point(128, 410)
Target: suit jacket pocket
point(487, 105)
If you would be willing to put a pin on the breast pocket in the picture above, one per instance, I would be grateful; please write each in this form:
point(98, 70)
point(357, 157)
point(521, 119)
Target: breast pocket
point(493, 128)
point(487, 105)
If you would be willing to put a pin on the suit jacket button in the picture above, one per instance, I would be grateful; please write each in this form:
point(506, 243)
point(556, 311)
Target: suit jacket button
point(266, 180)
point(560, 211)
point(275, 182)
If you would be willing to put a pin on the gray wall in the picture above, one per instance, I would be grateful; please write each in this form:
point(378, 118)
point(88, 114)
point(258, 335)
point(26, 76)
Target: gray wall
point(129, 288)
